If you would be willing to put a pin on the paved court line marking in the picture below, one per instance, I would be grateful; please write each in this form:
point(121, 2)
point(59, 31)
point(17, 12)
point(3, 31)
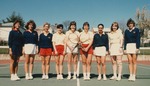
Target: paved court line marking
point(78, 70)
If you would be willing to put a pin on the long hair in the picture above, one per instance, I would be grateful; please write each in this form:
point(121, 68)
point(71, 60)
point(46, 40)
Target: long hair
point(17, 21)
point(116, 24)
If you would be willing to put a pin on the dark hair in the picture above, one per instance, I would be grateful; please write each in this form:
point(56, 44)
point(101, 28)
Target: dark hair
point(86, 23)
point(100, 25)
point(72, 23)
point(130, 21)
point(60, 25)
point(17, 21)
point(30, 21)
point(114, 23)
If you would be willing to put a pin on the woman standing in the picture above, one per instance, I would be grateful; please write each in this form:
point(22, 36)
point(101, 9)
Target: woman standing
point(59, 45)
point(46, 47)
point(86, 51)
point(15, 42)
point(116, 51)
point(30, 48)
point(131, 47)
point(101, 47)
point(72, 39)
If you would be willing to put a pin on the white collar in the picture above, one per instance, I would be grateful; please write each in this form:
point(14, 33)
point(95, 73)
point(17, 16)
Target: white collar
point(131, 29)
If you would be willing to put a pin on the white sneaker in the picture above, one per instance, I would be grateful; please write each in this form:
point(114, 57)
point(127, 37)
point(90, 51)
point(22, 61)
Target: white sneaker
point(104, 78)
point(74, 77)
point(84, 78)
point(58, 77)
point(31, 77)
point(130, 78)
point(133, 78)
point(43, 77)
point(88, 78)
point(13, 78)
point(16, 76)
point(113, 78)
point(69, 77)
point(27, 77)
point(46, 77)
point(118, 78)
point(99, 77)
point(61, 77)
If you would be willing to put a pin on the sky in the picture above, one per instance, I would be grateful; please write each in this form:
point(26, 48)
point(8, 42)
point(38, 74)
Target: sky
point(58, 11)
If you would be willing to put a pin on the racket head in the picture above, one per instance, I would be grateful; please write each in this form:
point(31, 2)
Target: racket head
point(73, 38)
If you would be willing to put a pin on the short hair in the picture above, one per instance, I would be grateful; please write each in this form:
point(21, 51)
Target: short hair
point(86, 23)
point(17, 21)
point(30, 21)
point(60, 25)
point(130, 21)
point(72, 23)
point(46, 24)
point(100, 25)
point(114, 23)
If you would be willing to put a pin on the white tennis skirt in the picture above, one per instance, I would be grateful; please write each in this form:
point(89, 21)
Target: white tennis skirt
point(74, 51)
point(100, 51)
point(30, 49)
point(115, 50)
point(131, 48)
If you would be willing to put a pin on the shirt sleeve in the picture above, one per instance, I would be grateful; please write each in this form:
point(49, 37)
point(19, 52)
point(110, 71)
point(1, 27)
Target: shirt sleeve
point(36, 38)
point(53, 38)
point(94, 39)
point(138, 39)
point(107, 43)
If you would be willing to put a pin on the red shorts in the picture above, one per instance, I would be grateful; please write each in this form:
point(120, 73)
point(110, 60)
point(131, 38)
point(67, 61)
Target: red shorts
point(45, 51)
point(60, 49)
point(90, 51)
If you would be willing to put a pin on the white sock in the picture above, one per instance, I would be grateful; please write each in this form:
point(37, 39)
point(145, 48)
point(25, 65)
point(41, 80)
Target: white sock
point(30, 74)
point(99, 75)
point(115, 75)
point(131, 75)
point(27, 74)
point(75, 73)
point(119, 75)
point(12, 75)
point(69, 73)
point(88, 74)
point(104, 75)
point(84, 74)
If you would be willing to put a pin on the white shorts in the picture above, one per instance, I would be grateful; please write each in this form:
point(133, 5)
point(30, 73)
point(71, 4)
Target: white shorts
point(100, 51)
point(115, 49)
point(30, 49)
point(74, 51)
point(131, 48)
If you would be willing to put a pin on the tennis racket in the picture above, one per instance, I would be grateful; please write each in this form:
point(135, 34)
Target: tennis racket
point(74, 39)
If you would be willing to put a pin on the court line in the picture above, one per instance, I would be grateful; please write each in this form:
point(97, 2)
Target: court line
point(78, 70)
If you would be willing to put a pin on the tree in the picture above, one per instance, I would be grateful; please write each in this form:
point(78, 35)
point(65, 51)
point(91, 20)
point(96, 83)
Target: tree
point(143, 22)
point(122, 25)
point(13, 17)
point(66, 24)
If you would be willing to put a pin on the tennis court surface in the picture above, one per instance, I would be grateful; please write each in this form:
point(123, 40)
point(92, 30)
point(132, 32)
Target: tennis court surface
point(143, 76)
